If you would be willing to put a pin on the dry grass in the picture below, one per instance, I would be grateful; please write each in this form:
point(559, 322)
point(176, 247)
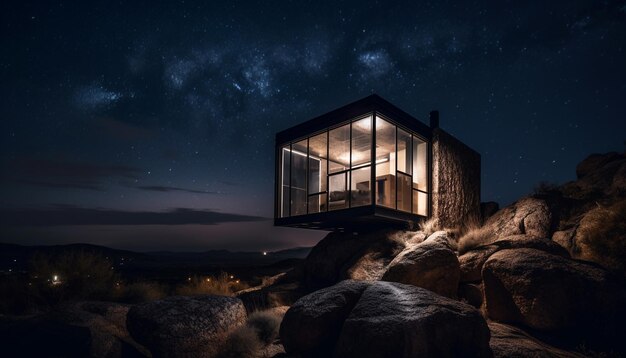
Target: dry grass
point(223, 285)
point(266, 325)
point(242, 343)
point(473, 235)
point(602, 233)
point(430, 227)
point(260, 330)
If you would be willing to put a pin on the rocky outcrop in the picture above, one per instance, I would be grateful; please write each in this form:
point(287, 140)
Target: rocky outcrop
point(375, 319)
point(555, 295)
point(342, 256)
point(185, 326)
point(528, 216)
point(431, 265)
point(512, 342)
point(471, 263)
point(312, 325)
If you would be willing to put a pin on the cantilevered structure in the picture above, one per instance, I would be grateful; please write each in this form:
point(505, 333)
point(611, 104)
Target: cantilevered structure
point(369, 164)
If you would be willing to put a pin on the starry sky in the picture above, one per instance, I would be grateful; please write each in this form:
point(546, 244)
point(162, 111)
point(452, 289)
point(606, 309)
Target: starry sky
point(150, 125)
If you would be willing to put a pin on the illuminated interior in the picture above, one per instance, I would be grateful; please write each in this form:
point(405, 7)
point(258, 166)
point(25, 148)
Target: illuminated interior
point(332, 170)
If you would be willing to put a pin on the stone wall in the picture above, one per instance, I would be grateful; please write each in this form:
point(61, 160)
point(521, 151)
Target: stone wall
point(455, 181)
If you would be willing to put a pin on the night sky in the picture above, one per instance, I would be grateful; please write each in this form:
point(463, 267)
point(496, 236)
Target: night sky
point(150, 125)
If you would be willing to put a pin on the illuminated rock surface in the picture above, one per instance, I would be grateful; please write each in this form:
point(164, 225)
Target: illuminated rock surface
point(429, 265)
point(472, 262)
point(361, 319)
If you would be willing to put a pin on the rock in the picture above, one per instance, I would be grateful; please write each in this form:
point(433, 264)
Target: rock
point(528, 216)
point(312, 325)
point(471, 293)
point(43, 336)
point(441, 237)
point(342, 256)
point(471, 263)
point(382, 319)
point(487, 209)
point(566, 238)
point(396, 320)
point(185, 326)
point(106, 322)
point(554, 295)
point(507, 341)
point(595, 162)
point(600, 180)
point(430, 265)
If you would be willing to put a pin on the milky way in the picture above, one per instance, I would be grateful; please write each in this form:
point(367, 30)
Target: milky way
point(159, 107)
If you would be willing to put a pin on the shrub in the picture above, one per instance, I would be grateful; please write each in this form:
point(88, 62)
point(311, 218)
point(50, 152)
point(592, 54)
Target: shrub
point(138, 292)
point(266, 324)
point(80, 275)
point(222, 285)
point(602, 236)
point(242, 343)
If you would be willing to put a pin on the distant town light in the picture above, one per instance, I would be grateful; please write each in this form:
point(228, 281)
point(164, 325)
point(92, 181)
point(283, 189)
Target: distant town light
point(264, 253)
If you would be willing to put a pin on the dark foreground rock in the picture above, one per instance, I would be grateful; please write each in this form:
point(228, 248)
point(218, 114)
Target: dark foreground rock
point(472, 262)
point(382, 319)
point(185, 326)
point(512, 342)
point(80, 329)
point(560, 297)
point(431, 265)
point(43, 337)
point(312, 325)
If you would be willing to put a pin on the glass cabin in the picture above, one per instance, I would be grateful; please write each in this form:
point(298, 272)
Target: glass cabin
point(365, 163)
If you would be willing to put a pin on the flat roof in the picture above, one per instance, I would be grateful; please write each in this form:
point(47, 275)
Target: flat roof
point(368, 104)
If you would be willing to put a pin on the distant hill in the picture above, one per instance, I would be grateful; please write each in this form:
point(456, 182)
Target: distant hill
point(17, 257)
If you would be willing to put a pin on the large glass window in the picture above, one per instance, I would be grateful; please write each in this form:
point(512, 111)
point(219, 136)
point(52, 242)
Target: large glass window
point(318, 166)
point(298, 177)
point(285, 173)
point(332, 170)
point(385, 163)
point(420, 177)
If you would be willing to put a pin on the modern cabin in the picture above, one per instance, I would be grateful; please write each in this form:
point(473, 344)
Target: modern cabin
point(370, 164)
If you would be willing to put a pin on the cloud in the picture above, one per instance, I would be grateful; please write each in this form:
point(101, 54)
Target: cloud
point(95, 96)
point(69, 216)
point(58, 173)
point(166, 189)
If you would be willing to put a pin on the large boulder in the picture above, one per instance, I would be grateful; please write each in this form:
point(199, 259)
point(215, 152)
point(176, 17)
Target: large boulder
point(472, 262)
point(595, 162)
point(185, 326)
point(561, 297)
point(512, 342)
point(376, 319)
point(43, 336)
point(342, 256)
point(78, 329)
point(312, 325)
point(430, 265)
point(528, 216)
